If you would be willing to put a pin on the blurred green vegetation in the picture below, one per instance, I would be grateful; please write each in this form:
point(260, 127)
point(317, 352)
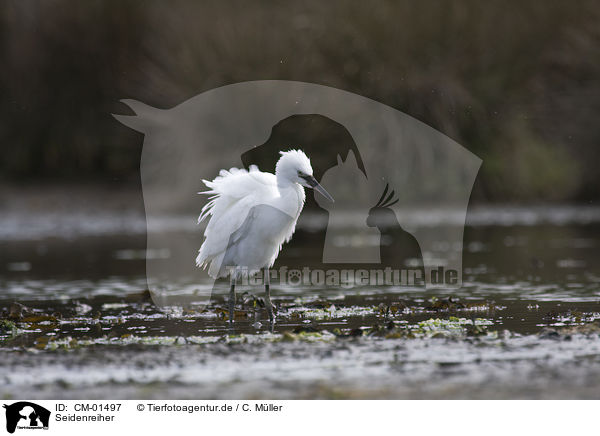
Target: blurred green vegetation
point(516, 82)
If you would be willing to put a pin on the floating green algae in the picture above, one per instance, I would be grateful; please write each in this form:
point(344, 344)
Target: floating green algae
point(330, 312)
point(452, 327)
point(8, 329)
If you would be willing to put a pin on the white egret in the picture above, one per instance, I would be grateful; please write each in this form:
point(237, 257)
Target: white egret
point(252, 213)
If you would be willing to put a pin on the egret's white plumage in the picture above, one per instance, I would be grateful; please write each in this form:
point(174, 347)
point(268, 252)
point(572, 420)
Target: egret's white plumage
point(252, 213)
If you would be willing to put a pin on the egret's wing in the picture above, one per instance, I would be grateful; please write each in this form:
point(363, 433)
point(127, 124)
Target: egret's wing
point(233, 194)
point(259, 239)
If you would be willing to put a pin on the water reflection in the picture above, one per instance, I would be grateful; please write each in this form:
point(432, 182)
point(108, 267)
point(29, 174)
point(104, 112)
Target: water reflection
point(518, 266)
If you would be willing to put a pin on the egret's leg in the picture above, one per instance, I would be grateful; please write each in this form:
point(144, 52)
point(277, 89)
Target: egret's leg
point(268, 295)
point(232, 297)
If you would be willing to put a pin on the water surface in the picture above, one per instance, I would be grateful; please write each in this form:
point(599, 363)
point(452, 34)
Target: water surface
point(523, 325)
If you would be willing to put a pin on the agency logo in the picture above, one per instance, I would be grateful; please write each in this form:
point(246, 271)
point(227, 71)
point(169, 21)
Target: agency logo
point(401, 188)
point(26, 416)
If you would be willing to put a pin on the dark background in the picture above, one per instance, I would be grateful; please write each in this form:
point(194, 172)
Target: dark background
point(516, 82)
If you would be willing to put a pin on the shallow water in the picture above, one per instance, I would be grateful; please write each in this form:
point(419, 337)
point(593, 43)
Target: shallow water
point(523, 325)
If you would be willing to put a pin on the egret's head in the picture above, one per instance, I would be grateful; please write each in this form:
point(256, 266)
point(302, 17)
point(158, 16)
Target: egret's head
point(294, 167)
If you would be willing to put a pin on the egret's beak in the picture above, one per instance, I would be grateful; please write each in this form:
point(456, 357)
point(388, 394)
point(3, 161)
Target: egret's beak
point(312, 182)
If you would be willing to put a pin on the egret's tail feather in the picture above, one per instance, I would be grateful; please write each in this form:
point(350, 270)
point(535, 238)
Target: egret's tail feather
point(208, 207)
point(213, 263)
point(231, 195)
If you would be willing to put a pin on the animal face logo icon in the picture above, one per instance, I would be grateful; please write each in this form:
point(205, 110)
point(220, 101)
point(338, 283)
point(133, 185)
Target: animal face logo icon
point(26, 415)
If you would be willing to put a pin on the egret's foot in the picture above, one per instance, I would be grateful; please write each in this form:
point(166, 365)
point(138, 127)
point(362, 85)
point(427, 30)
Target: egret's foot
point(269, 307)
point(231, 302)
point(268, 302)
point(231, 329)
point(231, 311)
